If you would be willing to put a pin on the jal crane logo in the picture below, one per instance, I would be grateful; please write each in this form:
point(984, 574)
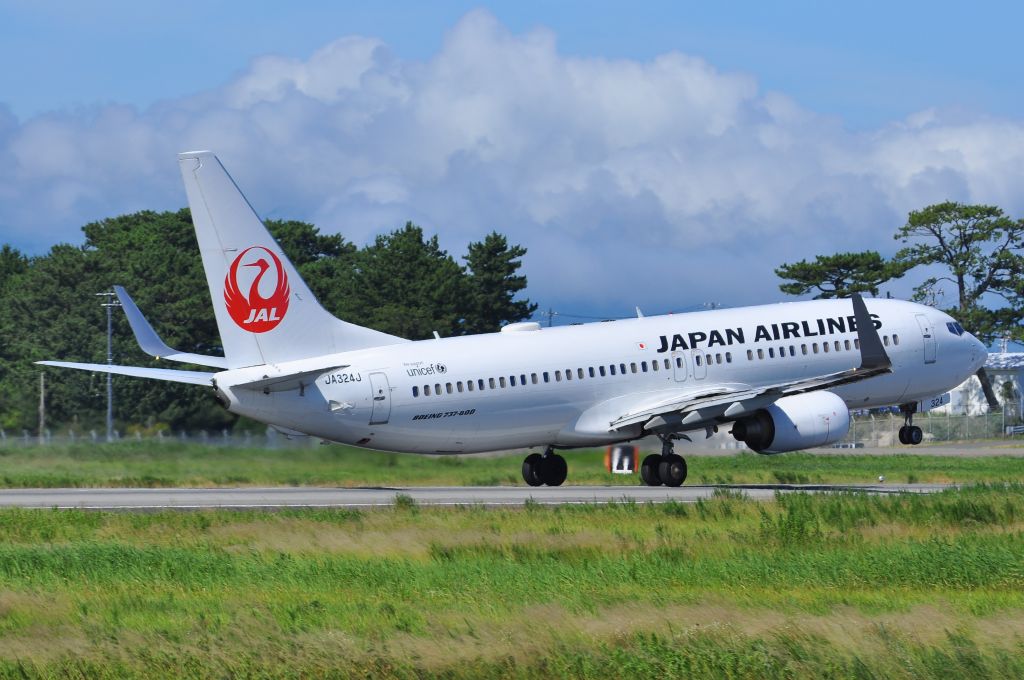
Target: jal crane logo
point(252, 311)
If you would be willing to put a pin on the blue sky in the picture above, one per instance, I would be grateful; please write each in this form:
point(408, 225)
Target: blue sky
point(667, 135)
point(867, 63)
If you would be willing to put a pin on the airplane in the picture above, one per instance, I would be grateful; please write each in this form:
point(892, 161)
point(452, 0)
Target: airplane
point(785, 376)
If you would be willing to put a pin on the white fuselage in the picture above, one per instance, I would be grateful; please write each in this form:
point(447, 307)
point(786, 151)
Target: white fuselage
point(564, 386)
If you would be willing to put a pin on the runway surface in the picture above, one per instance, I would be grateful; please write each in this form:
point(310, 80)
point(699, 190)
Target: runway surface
point(316, 497)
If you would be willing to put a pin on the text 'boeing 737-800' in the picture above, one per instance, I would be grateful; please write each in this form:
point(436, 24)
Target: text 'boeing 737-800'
point(784, 376)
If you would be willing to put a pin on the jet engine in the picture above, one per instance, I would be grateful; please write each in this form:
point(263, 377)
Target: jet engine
point(793, 423)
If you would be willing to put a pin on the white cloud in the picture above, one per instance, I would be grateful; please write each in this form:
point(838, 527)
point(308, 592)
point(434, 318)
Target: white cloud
point(664, 182)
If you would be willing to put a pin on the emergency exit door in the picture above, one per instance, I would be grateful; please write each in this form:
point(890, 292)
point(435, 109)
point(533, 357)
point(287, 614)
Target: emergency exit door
point(680, 369)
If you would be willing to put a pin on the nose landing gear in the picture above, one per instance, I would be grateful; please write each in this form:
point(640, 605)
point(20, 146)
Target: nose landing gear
point(550, 468)
point(666, 468)
point(910, 433)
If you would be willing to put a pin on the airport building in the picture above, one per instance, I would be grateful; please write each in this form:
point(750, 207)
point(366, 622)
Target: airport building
point(1006, 373)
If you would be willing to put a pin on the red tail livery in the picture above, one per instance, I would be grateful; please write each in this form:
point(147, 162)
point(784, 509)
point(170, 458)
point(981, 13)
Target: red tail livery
point(253, 312)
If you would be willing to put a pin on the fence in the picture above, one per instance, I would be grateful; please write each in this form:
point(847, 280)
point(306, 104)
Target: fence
point(865, 430)
point(883, 430)
point(243, 439)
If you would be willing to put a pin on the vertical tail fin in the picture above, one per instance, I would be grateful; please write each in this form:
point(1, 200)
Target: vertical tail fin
point(265, 311)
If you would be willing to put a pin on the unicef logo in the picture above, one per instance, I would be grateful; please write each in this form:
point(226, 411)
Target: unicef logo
point(441, 368)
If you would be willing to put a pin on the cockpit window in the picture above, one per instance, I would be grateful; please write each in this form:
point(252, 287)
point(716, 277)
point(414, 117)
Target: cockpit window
point(955, 328)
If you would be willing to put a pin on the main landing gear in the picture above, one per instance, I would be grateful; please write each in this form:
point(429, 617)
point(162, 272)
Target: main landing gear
point(910, 433)
point(666, 468)
point(549, 468)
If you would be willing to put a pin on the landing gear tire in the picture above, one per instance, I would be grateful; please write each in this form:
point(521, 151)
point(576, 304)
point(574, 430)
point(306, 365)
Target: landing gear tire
point(910, 433)
point(531, 469)
point(553, 469)
point(649, 470)
point(672, 470)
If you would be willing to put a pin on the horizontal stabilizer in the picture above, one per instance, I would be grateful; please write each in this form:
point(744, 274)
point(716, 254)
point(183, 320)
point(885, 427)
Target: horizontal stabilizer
point(288, 381)
point(166, 374)
point(152, 344)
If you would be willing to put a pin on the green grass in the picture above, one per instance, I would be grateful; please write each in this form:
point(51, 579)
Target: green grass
point(842, 585)
point(171, 463)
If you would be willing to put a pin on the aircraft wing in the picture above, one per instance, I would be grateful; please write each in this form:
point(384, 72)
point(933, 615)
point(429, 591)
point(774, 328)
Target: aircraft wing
point(166, 374)
point(735, 401)
point(152, 344)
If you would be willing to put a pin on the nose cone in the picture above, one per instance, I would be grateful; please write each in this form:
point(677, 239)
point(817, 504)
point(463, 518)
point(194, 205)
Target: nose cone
point(979, 353)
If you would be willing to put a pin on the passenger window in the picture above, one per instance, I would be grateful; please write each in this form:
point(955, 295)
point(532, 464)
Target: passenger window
point(792, 350)
point(512, 380)
point(654, 365)
point(622, 368)
point(469, 385)
point(824, 347)
point(679, 362)
point(771, 352)
point(856, 343)
point(815, 346)
point(579, 373)
point(632, 367)
point(533, 378)
point(490, 381)
point(415, 391)
point(846, 344)
point(611, 370)
point(803, 349)
point(885, 340)
point(667, 365)
point(458, 386)
point(568, 374)
point(838, 346)
point(643, 366)
point(760, 354)
point(728, 357)
point(501, 381)
point(558, 376)
point(750, 355)
point(426, 390)
point(601, 370)
point(697, 359)
point(895, 339)
point(547, 377)
point(480, 384)
point(448, 387)
point(591, 371)
point(709, 359)
point(522, 379)
point(437, 389)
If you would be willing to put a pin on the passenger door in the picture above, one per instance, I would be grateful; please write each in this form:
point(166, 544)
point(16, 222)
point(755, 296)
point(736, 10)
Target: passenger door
point(928, 335)
point(381, 411)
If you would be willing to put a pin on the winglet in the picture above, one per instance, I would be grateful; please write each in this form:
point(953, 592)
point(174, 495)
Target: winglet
point(152, 344)
point(872, 353)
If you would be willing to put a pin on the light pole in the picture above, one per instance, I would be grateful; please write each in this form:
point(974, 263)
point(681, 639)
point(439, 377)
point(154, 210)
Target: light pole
point(109, 301)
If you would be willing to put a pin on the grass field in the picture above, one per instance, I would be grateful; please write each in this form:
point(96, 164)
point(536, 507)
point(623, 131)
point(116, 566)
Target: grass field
point(807, 586)
point(172, 463)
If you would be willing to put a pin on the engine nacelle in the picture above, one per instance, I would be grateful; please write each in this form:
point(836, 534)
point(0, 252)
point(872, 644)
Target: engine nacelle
point(802, 421)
